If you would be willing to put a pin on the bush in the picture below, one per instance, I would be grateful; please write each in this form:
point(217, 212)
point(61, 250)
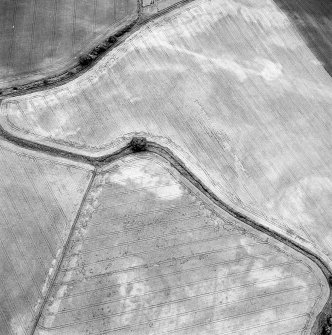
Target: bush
point(326, 330)
point(112, 39)
point(138, 144)
point(71, 72)
point(85, 60)
point(330, 280)
point(122, 31)
point(329, 320)
point(45, 82)
point(102, 47)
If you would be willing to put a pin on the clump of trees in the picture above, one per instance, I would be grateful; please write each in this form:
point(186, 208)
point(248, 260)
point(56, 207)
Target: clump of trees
point(112, 39)
point(138, 144)
point(85, 60)
point(327, 328)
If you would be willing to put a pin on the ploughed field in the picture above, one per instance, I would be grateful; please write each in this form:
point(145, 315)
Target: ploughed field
point(151, 255)
point(42, 37)
point(39, 199)
point(231, 88)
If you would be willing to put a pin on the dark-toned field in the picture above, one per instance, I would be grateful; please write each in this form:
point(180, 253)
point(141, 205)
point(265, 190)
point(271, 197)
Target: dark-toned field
point(41, 37)
point(313, 18)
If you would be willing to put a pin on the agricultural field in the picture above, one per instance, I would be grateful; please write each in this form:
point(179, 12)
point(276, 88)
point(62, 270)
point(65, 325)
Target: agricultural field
point(39, 199)
point(44, 37)
point(231, 88)
point(314, 21)
point(234, 98)
point(151, 255)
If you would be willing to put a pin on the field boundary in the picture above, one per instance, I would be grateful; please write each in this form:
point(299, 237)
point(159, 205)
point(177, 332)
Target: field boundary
point(94, 56)
point(140, 144)
point(50, 281)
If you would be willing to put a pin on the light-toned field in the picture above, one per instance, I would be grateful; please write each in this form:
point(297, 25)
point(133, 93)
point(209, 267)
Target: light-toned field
point(43, 37)
point(39, 199)
point(151, 255)
point(231, 88)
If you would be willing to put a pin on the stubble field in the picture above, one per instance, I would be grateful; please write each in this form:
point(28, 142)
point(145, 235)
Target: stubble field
point(151, 255)
point(39, 199)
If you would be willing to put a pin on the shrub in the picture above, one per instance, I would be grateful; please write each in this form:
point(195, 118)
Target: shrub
point(85, 60)
point(329, 320)
point(330, 280)
point(326, 330)
point(102, 47)
point(112, 39)
point(45, 82)
point(122, 31)
point(138, 144)
point(98, 50)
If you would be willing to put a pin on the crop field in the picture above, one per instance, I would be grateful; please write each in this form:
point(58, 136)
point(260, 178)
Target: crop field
point(41, 37)
point(314, 21)
point(151, 255)
point(231, 88)
point(39, 199)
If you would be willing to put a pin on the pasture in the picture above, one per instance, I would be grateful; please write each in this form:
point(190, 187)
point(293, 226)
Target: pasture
point(151, 255)
point(44, 37)
point(231, 88)
point(39, 199)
